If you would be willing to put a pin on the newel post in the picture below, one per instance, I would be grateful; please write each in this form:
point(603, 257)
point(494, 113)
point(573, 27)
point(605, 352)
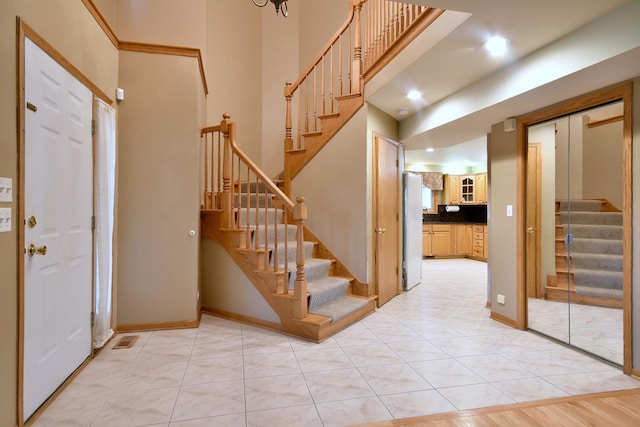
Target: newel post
point(226, 128)
point(288, 139)
point(300, 285)
point(356, 68)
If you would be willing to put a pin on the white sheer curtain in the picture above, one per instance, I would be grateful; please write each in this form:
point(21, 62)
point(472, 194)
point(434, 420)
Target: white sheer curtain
point(104, 194)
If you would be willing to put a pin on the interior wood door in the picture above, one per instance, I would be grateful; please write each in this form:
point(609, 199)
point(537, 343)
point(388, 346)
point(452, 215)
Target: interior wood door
point(387, 248)
point(534, 203)
point(58, 208)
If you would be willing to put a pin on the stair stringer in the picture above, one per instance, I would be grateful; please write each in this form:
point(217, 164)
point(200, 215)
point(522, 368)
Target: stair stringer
point(312, 327)
point(348, 106)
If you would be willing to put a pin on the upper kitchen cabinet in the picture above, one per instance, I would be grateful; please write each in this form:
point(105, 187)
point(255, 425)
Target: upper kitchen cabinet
point(466, 189)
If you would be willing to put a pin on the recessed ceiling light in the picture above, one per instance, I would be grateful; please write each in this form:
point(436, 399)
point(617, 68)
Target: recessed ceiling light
point(414, 95)
point(402, 112)
point(429, 150)
point(496, 45)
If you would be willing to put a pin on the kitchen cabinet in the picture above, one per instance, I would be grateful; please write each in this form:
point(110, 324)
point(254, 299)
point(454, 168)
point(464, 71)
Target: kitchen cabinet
point(480, 242)
point(481, 188)
point(453, 190)
point(464, 239)
point(426, 240)
point(466, 189)
point(441, 240)
point(436, 240)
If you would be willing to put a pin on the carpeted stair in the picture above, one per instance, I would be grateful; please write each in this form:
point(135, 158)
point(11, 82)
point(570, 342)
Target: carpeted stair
point(596, 251)
point(328, 295)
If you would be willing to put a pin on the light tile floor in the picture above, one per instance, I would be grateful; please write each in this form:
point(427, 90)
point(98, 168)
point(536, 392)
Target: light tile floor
point(597, 330)
point(432, 349)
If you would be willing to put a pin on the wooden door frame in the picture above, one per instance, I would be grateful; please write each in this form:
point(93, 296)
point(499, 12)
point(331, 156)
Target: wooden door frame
point(23, 30)
point(620, 92)
point(538, 226)
point(400, 152)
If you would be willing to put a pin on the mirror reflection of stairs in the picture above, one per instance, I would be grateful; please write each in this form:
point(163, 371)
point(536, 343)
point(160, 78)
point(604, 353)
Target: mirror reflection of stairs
point(591, 265)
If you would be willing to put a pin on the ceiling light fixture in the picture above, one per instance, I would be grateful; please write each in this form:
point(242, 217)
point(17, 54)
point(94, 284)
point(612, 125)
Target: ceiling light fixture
point(280, 5)
point(430, 150)
point(414, 95)
point(402, 112)
point(496, 45)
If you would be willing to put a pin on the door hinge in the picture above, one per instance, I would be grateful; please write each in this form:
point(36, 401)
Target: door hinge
point(93, 319)
point(93, 127)
point(93, 223)
point(397, 163)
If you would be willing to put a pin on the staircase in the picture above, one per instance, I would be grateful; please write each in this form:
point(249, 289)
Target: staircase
point(589, 269)
point(313, 294)
point(331, 90)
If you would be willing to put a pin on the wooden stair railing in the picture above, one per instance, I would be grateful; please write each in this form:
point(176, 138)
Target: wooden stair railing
point(225, 165)
point(250, 216)
point(330, 91)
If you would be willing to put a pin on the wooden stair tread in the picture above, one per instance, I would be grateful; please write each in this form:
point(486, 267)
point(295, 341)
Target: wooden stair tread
point(329, 116)
point(311, 133)
point(348, 96)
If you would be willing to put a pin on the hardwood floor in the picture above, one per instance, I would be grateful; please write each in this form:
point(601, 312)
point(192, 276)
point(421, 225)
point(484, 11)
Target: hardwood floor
point(616, 408)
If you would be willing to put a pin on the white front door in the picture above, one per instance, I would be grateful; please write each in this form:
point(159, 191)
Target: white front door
point(58, 182)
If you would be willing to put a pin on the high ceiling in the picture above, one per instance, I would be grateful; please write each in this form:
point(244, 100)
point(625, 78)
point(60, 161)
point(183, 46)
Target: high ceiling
point(459, 60)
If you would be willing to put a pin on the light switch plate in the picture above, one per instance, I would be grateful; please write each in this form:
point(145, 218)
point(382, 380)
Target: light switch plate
point(509, 210)
point(5, 220)
point(6, 189)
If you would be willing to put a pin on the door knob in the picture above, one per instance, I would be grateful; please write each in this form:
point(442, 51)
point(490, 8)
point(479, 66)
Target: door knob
point(530, 230)
point(380, 230)
point(36, 250)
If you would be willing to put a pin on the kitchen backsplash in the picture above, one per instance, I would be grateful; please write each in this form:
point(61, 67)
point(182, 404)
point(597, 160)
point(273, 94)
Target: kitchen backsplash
point(469, 214)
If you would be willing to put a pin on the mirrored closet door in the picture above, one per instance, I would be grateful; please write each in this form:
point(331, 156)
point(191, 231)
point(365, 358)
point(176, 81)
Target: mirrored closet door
point(574, 252)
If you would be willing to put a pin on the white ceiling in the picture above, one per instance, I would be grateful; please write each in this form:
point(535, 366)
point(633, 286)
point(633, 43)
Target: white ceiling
point(458, 60)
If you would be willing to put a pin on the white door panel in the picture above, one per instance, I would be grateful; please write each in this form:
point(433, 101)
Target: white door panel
point(58, 193)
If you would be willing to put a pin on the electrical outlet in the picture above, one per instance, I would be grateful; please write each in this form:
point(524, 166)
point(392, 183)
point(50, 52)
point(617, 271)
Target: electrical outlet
point(501, 299)
point(6, 189)
point(5, 220)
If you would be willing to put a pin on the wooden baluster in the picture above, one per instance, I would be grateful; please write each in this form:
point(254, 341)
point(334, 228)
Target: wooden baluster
point(227, 129)
point(315, 100)
point(256, 194)
point(322, 88)
point(235, 173)
point(266, 233)
point(357, 49)
point(300, 284)
point(340, 65)
point(331, 79)
point(288, 141)
point(306, 106)
point(285, 213)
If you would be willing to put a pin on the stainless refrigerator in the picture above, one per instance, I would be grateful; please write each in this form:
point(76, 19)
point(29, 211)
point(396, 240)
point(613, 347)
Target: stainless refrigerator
point(412, 230)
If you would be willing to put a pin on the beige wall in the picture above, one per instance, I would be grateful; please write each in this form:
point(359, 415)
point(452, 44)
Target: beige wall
point(167, 22)
point(380, 123)
point(502, 228)
point(545, 134)
point(84, 45)
point(280, 64)
point(335, 187)
point(602, 160)
point(226, 287)
point(234, 74)
point(319, 20)
point(158, 200)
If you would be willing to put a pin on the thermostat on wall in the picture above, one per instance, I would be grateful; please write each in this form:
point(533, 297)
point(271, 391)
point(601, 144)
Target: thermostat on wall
point(120, 94)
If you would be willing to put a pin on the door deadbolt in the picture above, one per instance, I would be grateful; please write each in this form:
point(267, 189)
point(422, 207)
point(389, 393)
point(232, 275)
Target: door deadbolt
point(36, 250)
point(31, 222)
